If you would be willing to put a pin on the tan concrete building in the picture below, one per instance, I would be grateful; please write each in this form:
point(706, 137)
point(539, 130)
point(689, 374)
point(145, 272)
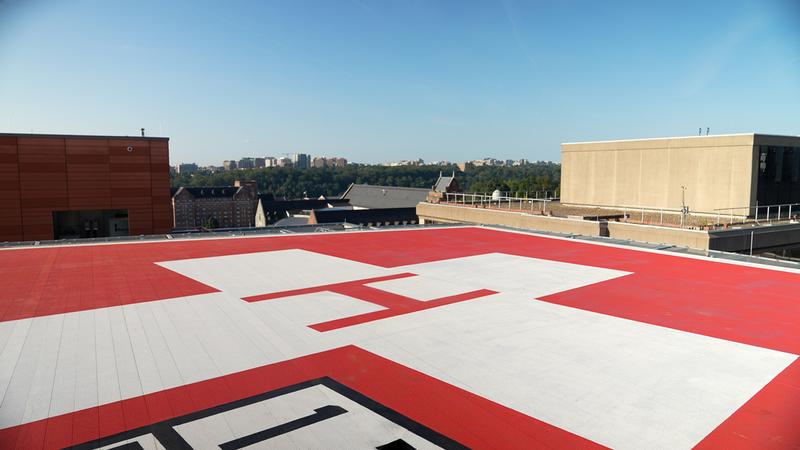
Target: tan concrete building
point(723, 171)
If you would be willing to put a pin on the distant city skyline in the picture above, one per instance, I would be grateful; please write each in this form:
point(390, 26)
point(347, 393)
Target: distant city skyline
point(316, 161)
point(378, 81)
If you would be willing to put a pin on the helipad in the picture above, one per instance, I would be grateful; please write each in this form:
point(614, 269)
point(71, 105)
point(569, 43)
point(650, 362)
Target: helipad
point(422, 338)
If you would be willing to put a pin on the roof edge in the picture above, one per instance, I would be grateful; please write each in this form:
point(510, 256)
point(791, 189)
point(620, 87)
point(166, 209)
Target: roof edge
point(82, 136)
point(672, 137)
point(347, 191)
point(386, 187)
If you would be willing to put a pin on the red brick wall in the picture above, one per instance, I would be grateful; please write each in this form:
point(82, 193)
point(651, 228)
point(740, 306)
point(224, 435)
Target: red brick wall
point(10, 214)
point(42, 174)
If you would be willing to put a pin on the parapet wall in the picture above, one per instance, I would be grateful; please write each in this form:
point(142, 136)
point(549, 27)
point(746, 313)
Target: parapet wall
point(680, 237)
point(731, 240)
point(465, 214)
point(643, 233)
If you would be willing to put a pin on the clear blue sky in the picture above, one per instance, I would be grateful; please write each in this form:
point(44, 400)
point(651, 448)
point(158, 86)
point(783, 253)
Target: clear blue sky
point(388, 80)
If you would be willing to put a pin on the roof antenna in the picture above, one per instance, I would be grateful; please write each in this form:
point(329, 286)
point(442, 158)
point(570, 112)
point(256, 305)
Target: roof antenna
point(142, 132)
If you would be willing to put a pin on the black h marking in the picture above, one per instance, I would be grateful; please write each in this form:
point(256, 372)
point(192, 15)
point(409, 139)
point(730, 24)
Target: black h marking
point(129, 446)
point(169, 438)
point(397, 444)
point(320, 414)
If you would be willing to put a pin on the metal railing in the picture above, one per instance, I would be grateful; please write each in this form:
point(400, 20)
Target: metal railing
point(636, 214)
point(678, 217)
point(768, 213)
point(646, 215)
point(536, 195)
point(641, 212)
point(499, 201)
point(723, 216)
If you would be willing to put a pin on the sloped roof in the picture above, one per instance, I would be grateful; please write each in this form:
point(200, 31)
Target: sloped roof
point(211, 191)
point(368, 196)
point(363, 216)
point(300, 205)
point(291, 221)
point(443, 183)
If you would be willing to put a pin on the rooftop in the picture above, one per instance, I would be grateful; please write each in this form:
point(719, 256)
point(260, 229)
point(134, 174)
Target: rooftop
point(705, 136)
point(209, 191)
point(443, 182)
point(369, 196)
point(81, 136)
point(376, 216)
point(301, 204)
point(433, 337)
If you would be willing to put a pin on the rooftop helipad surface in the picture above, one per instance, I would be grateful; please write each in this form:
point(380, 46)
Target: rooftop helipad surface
point(423, 338)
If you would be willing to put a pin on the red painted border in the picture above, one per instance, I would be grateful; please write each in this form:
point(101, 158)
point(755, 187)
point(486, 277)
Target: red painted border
point(770, 420)
point(456, 413)
point(745, 304)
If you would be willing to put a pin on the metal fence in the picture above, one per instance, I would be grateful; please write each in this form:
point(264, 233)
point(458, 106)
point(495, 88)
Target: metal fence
point(768, 213)
point(723, 216)
point(499, 202)
point(645, 215)
point(682, 217)
point(545, 194)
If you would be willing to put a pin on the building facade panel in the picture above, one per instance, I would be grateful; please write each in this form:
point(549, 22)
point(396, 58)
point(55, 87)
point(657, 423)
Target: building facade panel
point(83, 203)
point(10, 218)
point(705, 172)
point(94, 178)
point(87, 158)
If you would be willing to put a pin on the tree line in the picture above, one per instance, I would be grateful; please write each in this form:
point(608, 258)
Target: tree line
point(288, 182)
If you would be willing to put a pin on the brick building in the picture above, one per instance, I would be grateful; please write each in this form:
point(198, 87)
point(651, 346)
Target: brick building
point(215, 206)
point(67, 186)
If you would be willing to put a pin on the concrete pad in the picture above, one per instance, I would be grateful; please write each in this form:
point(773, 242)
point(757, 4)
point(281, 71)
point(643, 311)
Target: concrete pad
point(510, 273)
point(653, 350)
point(264, 272)
point(308, 309)
point(424, 288)
point(620, 383)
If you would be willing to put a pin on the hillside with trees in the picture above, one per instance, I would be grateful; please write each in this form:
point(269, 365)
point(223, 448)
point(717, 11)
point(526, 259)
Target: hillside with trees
point(287, 182)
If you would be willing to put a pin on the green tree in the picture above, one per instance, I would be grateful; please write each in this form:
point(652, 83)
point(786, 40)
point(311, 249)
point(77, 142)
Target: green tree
point(287, 182)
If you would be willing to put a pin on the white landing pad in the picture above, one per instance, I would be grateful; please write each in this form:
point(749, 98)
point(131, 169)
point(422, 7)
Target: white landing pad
point(265, 272)
point(617, 382)
point(620, 383)
point(510, 273)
